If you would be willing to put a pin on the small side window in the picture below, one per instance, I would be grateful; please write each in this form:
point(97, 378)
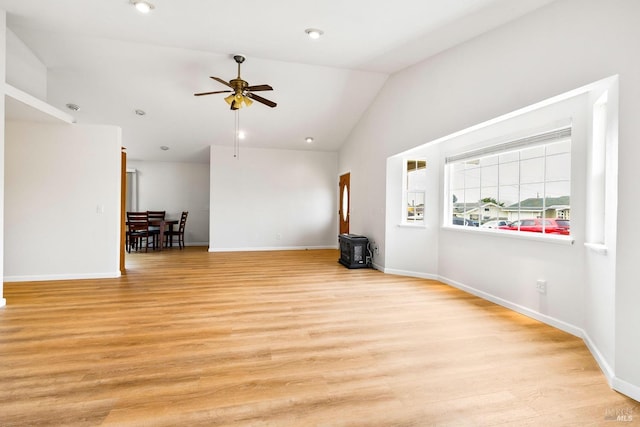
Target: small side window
point(415, 180)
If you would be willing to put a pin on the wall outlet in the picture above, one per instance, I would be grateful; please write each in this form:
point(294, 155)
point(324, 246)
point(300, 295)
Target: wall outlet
point(278, 236)
point(541, 286)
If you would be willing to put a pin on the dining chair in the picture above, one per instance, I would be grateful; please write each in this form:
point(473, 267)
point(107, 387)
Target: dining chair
point(154, 229)
point(179, 233)
point(138, 231)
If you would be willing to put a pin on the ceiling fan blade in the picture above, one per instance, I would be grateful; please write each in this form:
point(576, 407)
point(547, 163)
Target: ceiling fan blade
point(261, 99)
point(259, 87)
point(233, 105)
point(218, 79)
point(211, 93)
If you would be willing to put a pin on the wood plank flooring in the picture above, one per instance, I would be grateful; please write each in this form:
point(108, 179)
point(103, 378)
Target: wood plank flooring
point(192, 338)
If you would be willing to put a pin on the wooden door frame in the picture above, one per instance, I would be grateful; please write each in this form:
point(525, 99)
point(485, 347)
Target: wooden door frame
point(344, 220)
point(123, 204)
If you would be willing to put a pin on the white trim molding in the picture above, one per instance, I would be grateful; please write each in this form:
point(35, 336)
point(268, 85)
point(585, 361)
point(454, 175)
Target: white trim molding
point(46, 277)
point(549, 320)
point(411, 274)
point(626, 388)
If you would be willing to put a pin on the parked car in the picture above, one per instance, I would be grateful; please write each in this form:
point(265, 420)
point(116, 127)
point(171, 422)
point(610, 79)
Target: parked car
point(496, 223)
point(463, 221)
point(458, 221)
point(551, 226)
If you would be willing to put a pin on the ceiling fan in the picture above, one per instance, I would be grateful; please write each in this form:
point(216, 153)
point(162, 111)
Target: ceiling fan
point(241, 92)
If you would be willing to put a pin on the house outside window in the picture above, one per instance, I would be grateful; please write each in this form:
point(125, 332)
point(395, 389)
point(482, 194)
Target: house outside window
point(415, 180)
point(529, 178)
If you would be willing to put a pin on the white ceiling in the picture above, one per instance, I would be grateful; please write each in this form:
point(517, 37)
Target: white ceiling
point(111, 60)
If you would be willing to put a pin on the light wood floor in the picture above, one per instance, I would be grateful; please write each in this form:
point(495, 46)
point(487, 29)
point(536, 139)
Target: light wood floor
point(190, 338)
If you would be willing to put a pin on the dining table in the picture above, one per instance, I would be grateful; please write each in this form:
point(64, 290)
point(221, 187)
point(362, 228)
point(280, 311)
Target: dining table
point(163, 224)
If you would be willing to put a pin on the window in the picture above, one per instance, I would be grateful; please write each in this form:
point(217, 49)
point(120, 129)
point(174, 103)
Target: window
point(516, 183)
point(415, 177)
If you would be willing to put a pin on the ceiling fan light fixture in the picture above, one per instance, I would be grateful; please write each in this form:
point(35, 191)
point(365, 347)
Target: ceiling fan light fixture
point(248, 101)
point(236, 101)
point(314, 33)
point(230, 98)
point(143, 6)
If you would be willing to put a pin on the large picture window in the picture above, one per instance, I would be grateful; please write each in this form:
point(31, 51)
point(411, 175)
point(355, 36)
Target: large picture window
point(522, 185)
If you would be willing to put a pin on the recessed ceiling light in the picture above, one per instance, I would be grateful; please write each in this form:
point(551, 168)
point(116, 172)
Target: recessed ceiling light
point(314, 33)
point(73, 107)
point(143, 6)
point(241, 134)
point(164, 147)
point(140, 112)
point(308, 140)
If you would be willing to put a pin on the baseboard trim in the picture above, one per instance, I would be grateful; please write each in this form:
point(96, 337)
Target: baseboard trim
point(193, 244)
point(600, 360)
point(45, 277)
point(626, 388)
point(411, 274)
point(271, 248)
point(557, 323)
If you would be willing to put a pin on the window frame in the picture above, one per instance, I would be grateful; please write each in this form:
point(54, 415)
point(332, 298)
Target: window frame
point(406, 191)
point(488, 152)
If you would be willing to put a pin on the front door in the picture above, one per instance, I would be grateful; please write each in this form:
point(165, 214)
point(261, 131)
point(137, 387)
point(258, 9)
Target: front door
point(345, 206)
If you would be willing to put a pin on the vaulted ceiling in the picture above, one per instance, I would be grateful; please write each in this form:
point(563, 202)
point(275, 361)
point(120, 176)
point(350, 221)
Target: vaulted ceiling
point(111, 60)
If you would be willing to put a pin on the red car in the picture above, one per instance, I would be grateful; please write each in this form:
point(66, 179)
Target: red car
point(552, 226)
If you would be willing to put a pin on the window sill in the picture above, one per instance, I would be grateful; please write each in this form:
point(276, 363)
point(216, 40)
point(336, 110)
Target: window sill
point(597, 248)
point(409, 225)
point(508, 234)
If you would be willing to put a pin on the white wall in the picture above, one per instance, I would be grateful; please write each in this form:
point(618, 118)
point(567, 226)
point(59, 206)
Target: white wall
point(507, 268)
point(600, 260)
point(273, 199)
point(412, 249)
point(560, 47)
point(24, 70)
point(3, 56)
point(62, 215)
point(175, 187)
point(496, 264)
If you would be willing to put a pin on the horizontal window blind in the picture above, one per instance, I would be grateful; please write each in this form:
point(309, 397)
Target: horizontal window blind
point(555, 135)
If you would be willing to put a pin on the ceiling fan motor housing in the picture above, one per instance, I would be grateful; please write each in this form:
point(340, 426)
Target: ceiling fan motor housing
point(238, 85)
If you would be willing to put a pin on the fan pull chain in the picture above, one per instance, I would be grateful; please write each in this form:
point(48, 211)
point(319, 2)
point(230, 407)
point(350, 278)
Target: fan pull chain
point(236, 137)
